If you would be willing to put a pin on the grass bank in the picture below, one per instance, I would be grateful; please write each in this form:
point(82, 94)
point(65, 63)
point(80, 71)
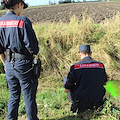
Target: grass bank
point(59, 43)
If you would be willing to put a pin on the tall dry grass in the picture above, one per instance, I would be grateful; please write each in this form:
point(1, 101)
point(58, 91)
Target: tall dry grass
point(59, 43)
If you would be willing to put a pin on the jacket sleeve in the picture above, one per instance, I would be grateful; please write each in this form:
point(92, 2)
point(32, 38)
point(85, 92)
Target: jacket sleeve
point(30, 39)
point(106, 77)
point(70, 80)
point(105, 74)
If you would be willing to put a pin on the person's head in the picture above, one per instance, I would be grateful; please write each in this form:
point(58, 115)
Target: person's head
point(84, 51)
point(16, 5)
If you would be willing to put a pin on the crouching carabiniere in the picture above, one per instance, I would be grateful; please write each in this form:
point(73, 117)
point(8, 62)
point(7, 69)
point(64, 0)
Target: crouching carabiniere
point(85, 82)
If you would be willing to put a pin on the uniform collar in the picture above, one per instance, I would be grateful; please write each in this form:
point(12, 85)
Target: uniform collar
point(86, 58)
point(10, 12)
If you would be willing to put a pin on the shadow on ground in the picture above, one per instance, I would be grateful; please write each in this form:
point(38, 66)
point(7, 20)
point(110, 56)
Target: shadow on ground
point(82, 116)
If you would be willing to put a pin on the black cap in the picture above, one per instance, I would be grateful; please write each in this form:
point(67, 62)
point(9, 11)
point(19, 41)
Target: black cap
point(25, 5)
point(84, 48)
point(9, 4)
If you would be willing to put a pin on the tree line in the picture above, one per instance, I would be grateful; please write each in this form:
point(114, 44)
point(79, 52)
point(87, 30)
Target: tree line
point(61, 2)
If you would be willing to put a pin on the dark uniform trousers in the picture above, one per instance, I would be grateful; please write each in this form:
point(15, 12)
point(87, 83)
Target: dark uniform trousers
point(17, 81)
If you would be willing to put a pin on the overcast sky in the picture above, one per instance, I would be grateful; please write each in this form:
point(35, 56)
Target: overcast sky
point(40, 2)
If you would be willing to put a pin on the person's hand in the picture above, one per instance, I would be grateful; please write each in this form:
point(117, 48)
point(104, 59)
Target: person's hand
point(67, 90)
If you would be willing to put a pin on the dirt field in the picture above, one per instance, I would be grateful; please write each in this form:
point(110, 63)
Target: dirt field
point(97, 10)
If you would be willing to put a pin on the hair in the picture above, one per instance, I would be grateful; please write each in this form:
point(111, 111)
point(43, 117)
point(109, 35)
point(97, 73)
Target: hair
point(9, 3)
point(85, 52)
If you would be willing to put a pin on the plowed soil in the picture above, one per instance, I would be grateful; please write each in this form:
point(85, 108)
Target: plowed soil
point(99, 11)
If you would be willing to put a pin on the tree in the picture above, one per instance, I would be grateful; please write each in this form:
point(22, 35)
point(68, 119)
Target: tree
point(68, 1)
point(73, 1)
point(64, 1)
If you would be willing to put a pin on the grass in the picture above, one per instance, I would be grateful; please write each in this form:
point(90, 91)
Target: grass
point(53, 103)
point(59, 43)
point(4, 96)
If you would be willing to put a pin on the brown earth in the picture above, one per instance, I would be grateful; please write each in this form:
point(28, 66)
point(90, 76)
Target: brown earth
point(97, 10)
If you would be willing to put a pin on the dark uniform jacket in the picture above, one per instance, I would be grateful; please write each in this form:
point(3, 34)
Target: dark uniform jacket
point(16, 33)
point(86, 79)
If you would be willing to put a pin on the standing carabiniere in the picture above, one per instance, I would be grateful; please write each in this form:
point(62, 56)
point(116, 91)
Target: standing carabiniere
point(18, 38)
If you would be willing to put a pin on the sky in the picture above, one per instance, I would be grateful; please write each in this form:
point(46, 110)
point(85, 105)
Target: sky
point(40, 2)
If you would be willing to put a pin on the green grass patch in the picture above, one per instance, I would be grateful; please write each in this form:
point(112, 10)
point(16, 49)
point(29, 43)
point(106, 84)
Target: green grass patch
point(4, 96)
point(3, 11)
point(113, 87)
point(53, 102)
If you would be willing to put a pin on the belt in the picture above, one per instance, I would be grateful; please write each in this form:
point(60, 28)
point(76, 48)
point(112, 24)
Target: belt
point(21, 56)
